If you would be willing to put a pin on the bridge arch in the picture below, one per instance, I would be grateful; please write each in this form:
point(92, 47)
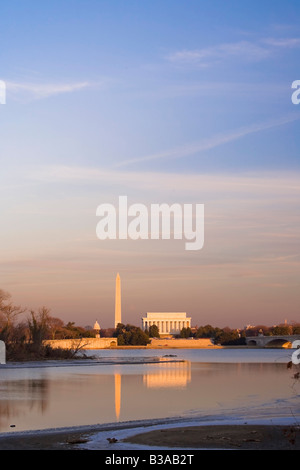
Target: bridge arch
point(278, 343)
point(261, 341)
point(252, 342)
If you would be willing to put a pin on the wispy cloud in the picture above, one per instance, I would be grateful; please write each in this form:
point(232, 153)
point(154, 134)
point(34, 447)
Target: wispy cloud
point(282, 184)
point(43, 90)
point(208, 55)
point(283, 42)
point(245, 50)
point(212, 142)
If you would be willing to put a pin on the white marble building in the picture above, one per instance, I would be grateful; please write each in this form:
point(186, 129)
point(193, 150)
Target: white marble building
point(167, 322)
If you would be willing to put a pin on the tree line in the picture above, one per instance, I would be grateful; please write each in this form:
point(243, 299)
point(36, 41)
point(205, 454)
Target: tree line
point(132, 335)
point(227, 336)
point(26, 339)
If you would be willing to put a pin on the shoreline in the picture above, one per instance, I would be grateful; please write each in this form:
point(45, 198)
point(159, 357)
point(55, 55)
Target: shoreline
point(171, 434)
point(156, 343)
point(223, 437)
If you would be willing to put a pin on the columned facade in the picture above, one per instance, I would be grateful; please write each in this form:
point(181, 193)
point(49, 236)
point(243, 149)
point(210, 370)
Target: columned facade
point(166, 322)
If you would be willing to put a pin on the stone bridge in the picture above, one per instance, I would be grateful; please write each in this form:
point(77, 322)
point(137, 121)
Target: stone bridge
point(283, 341)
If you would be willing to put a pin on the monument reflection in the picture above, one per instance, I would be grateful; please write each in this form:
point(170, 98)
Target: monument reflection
point(176, 376)
point(86, 395)
point(179, 375)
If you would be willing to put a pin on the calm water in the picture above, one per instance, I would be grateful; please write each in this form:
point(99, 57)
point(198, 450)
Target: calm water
point(224, 382)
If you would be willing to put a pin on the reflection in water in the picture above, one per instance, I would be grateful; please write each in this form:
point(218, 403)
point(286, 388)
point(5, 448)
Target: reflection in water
point(16, 396)
point(83, 395)
point(117, 395)
point(176, 376)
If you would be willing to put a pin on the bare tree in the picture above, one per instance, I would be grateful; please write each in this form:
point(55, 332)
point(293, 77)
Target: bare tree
point(77, 345)
point(8, 314)
point(38, 325)
point(3, 297)
point(55, 324)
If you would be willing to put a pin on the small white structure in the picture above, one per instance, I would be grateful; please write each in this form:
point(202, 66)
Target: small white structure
point(2, 353)
point(166, 322)
point(97, 329)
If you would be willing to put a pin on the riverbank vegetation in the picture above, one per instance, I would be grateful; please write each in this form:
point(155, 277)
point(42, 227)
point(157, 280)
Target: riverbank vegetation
point(25, 340)
point(130, 335)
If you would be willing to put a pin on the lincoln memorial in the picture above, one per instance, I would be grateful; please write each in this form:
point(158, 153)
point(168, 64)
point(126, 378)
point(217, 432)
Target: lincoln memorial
point(166, 322)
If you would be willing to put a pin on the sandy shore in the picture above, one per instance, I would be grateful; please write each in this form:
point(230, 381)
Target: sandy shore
point(248, 437)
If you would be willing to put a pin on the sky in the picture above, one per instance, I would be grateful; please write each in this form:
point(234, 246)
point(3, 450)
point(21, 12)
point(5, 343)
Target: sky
point(163, 102)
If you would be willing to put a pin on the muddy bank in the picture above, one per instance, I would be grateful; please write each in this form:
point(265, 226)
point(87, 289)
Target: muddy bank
point(223, 437)
point(243, 437)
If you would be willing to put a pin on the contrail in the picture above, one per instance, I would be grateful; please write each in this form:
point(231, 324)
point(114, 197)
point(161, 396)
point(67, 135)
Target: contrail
point(210, 143)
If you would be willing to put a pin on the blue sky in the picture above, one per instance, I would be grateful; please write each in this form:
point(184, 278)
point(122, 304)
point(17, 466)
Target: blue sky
point(164, 101)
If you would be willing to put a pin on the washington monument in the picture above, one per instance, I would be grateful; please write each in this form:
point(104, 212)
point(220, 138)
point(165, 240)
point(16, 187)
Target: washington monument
point(118, 301)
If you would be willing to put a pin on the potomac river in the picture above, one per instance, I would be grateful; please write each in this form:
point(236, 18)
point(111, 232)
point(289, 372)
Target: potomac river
point(119, 386)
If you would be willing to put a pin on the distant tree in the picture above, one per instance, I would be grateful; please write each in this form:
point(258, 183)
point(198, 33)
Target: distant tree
point(281, 330)
point(8, 314)
point(38, 324)
point(25, 340)
point(255, 330)
point(119, 328)
point(71, 331)
point(131, 335)
point(207, 331)
point(3, 297)
point(19, 334)
point(121, 340)
point(154, 331)
point(138, 337)
point(107, 332)
point(296, 329)
point(229, 337)
point(185, 332)
point(55, 325)
point(88, 333)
